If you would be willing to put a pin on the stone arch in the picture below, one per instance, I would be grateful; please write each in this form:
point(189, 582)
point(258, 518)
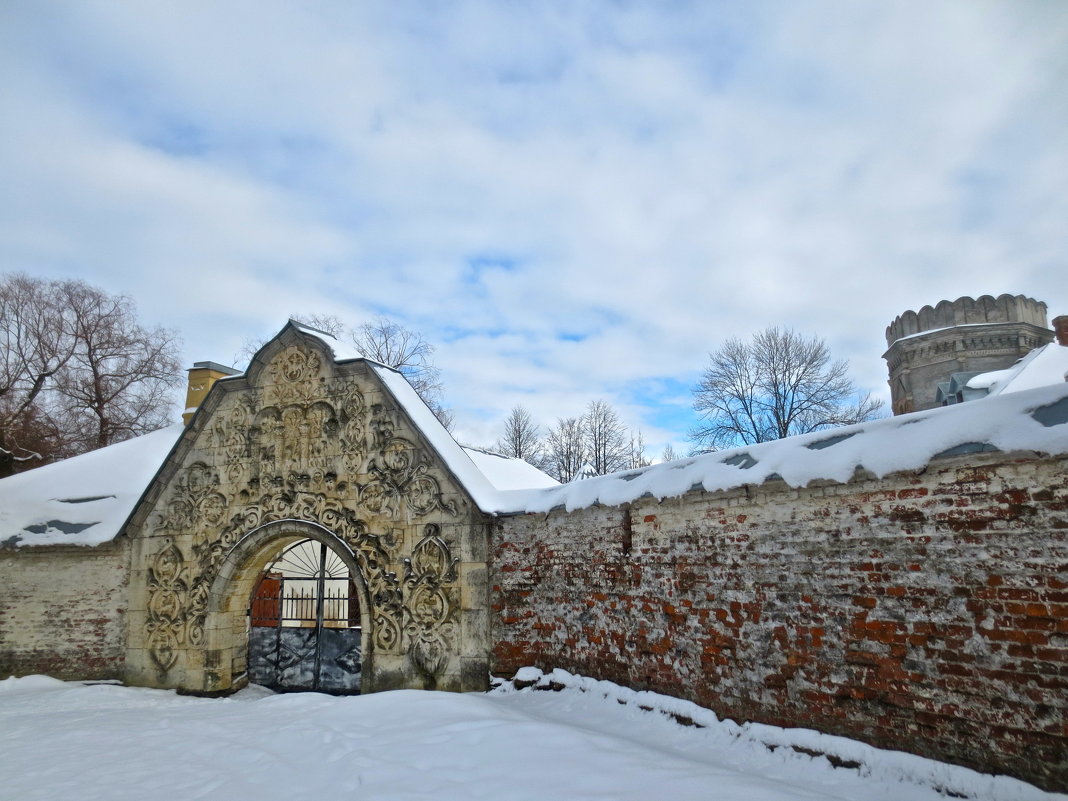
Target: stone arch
point(226, 631)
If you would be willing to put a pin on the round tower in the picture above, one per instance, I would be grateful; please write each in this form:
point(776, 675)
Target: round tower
point(942, 344)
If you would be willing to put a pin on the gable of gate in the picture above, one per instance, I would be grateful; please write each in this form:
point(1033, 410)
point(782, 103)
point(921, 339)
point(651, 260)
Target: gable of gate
point(302, 438)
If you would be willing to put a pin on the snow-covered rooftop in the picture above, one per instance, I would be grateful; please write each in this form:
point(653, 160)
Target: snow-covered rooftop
point(83, 500)
point(506, 473)
point(1039, 368)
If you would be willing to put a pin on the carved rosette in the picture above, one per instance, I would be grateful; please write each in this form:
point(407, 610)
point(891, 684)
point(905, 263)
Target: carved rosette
point(430, 611)
point(400, 474)
point(196, 502)
point(296, 372)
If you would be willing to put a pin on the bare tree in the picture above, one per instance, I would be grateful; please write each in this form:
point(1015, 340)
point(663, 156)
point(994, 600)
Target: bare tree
point(637, 450)
point(34, 335)
point(607, 448)
point(118, 383)
point(78, 371)
point(408, 351)
point(392, 344)
point(565, 449)
point(778, 385)
point(668, 454)
point(521, 437)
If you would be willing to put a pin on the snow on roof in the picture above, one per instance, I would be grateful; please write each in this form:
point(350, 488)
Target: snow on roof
point(83, 500)
point(1039, 368)
point(458, 460)
point(1034, 420)
point(343, 351)
point(509, 473)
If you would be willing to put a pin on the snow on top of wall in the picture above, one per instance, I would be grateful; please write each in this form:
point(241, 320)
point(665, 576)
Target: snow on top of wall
point(1039, 368)
point(83, 500)
point(1034, 420)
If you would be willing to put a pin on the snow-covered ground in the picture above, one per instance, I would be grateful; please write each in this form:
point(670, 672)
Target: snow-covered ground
point(592, 740)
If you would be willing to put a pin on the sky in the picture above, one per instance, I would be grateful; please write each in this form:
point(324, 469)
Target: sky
point(572, 200)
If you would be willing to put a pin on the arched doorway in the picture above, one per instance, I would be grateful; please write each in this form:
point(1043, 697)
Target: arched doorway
point(304, 622)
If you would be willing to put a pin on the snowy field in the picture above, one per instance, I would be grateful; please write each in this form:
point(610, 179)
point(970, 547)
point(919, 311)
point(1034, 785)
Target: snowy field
point(101, 741)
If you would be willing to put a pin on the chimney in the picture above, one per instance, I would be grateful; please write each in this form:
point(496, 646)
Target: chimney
point(202, 375)
point(1060, 329)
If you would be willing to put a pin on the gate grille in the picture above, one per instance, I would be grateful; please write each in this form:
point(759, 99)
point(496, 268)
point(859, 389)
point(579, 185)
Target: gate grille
point(305, 623)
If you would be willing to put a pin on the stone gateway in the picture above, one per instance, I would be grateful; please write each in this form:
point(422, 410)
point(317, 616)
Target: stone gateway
point(304, 448)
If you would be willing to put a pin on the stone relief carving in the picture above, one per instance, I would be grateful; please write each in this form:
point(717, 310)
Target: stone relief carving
point(167, 618)
point(179, 589)
point(230, 436)
point(196, 501)
point(399, 472)
point(430, 611)
point(295, 450)
point(296, 372)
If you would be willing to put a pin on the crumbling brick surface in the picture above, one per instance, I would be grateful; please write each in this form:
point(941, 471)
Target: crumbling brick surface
point(64, 611)
point(926, 613)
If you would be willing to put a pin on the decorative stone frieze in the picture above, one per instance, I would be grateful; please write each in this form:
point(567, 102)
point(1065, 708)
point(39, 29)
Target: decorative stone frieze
point(302, 439)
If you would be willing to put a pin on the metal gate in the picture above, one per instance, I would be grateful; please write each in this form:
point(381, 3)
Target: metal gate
point(305, 623)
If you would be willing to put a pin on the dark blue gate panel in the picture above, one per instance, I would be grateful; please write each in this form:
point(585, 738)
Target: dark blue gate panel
point(283, 658)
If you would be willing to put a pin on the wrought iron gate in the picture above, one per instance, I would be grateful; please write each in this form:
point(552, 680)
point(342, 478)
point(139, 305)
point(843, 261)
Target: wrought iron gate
point(305, 623)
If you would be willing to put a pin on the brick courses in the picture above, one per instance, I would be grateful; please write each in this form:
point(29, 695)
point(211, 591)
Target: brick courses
point(920, 612)
point(64, 611)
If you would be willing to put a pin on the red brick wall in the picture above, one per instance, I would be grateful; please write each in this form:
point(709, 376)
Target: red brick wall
point(63, 611)
point(926, 613)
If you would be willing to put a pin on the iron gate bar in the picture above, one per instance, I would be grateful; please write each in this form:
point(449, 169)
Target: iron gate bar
point(320, 589)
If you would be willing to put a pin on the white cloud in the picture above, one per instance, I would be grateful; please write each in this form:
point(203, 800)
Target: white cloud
point(656, 180)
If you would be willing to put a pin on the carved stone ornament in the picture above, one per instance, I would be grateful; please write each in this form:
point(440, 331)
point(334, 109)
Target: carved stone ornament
point(167, 611)
point(431, 605)
point(399, 473)
point(296, 372)
point(196, 502)
point(297, 449)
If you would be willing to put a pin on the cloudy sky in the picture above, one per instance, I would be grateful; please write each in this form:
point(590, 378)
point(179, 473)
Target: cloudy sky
point(573, 200)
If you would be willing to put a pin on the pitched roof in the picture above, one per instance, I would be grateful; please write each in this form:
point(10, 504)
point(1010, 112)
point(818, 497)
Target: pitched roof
point(83, 500)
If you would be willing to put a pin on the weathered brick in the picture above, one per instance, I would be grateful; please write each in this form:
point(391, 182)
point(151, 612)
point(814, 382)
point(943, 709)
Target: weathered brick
point(77, 628)
point(917, 612)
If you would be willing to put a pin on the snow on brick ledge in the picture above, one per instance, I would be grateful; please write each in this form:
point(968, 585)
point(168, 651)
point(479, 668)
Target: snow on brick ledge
point(1034, 420)
point(86, 499)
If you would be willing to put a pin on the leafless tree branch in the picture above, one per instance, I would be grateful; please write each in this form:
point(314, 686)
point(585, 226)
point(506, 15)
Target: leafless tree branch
point(778, 385)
